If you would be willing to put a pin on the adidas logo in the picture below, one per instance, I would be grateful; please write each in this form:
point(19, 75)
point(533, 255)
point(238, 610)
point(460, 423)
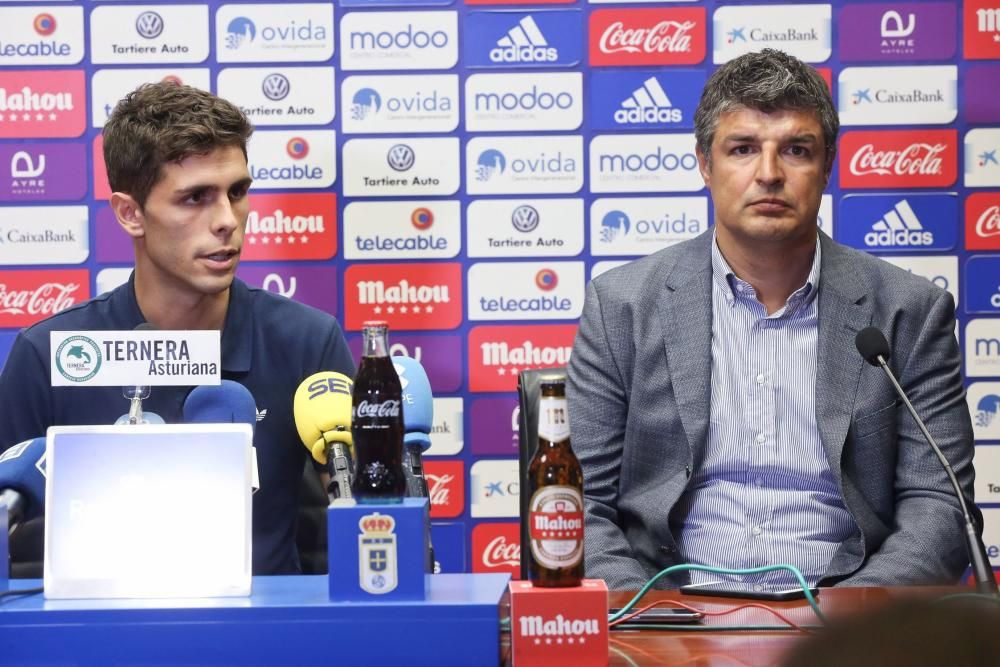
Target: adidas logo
point(648, 104)
point(261, 414)
point(524, 43)
point(900, 226)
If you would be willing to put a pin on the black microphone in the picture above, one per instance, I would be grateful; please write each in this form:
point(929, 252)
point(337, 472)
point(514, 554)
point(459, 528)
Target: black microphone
point(873, 346)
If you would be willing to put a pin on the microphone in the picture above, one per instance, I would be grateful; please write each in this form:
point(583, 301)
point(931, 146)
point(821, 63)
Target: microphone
point(418, 419)
point(322, 410)
point(136, 394)
point(22, 482)
point(873, 346)
point(228, 402)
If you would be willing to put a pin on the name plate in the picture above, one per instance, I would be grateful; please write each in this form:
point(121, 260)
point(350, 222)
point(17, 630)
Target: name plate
point(150, 358)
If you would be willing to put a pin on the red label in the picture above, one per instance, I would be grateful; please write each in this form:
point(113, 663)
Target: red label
point(407, 296)
point(556, 525)
point(647, 36)
point(982, 221)
point(981, 19)
point(291, 226)
point(899, 159)
point(42, 103)
point(496, 547)
point(559, 626)
point(498, 353)
point(27, 297)
point(102, 189)
point(446, 487)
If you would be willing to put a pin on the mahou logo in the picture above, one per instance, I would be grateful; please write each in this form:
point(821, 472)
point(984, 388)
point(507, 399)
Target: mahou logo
point(899, 159)
point(647, 36)
point(496, 547)
point(42, 103)
point(498, 353)
point(982, 221)
point(291, 226)
point(29, 296)
point(981, 22)
point(446, 487)
point(407, 296)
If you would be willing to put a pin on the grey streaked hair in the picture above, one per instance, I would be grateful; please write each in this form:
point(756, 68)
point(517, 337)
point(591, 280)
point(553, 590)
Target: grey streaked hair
point(767, 81)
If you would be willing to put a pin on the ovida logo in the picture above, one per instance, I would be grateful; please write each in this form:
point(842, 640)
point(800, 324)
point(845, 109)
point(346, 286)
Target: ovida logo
point(407, 38)
point(614, 224)
point(664, 37)
point(276, 86)
point(149, 25)
point(297, 148)
point(44, 24)
point(525, 218)
point(422, 219)
point(78, 358)
point(648, 104)
point(490, 163)
point(988, 223)
point(500, 553)
point(899, 227)
point(987, 410)
point(524, 43)
point(400, 157)
point(240, 31)
point(915, 159)
point(365, 102)
point(654, 161)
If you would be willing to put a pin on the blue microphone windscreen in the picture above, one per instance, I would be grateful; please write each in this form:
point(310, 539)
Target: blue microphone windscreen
point(225, 403)
point(20, 470)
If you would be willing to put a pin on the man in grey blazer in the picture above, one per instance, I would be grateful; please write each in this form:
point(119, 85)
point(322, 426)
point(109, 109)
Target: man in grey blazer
point(718, 405)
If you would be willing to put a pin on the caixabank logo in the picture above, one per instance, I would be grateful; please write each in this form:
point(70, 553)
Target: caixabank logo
point(107, 86)
point(551, 38)
point(898, 95)
point(494, 487)
point(982, 221)
point(27, 297)
point(291, 226)
point(524, 164)
point(407, 296)
point(982, 284)
point(401, 167)
point(525, 227)
point(418, 229)
point(525, 290)
point(42, 172)
point(899, 159)
point(149, 34)
point(42, 103)
point(911, 222)
point(314, 286)
point(644, 99)
point(644, 163)
point(395, 104)
point(445, 487)
point(280, 32)
point(292, 159)
point(398, 40)
point(281, 95)
point(667, 36)
point(498, 353)
point(44, 235)
point(642, 225)
point(41, 36)
point(516, 102)
point(902, 31)
point(981, 29)
point(982, 158)
point(801, 30)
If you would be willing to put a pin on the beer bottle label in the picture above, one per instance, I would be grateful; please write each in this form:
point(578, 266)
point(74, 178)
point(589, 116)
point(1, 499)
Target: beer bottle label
point(553, 419)
point(556, 526)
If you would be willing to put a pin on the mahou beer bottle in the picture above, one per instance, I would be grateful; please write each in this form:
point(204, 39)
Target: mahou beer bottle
point(377, 422)
point(555, 512)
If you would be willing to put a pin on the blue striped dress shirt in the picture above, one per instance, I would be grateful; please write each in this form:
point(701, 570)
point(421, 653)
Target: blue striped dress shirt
point(763, 492)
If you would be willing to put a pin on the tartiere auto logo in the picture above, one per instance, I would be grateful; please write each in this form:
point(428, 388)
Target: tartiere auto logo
point(291, 226)
point(407, 296)
point(899, 159)
point(673, 36)
point(498, 353)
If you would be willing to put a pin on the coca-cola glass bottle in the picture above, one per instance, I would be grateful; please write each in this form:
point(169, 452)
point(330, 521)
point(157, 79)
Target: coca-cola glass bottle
point(377, 421)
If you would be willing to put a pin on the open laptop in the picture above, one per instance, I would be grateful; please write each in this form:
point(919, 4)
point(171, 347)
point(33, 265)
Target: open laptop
point(148, 511)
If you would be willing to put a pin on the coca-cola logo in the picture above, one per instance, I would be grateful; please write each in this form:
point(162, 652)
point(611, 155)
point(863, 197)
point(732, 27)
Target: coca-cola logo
point(899, 158)
point(496, 547)
point(446, 487)
point(499, 553)
point(918, 158)
point(674, 36)
point(44, 300)
point(988, 223)
point(364, 409)
point(665, 36)
point(437, 488)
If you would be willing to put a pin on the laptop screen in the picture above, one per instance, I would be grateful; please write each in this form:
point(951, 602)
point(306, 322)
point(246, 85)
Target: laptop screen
point(148, 511)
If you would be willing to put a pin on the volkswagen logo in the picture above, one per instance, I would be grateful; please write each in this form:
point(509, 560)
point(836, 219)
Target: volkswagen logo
point(276, 86)
point(524, 218)
point(400, 157)
point(149, 25)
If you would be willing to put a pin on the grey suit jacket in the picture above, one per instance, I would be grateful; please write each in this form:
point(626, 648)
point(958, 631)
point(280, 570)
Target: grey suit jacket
point(639, 400)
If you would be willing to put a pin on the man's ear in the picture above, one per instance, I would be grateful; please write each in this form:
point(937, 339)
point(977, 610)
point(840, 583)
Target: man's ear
point(128, 213)
point(703, 165)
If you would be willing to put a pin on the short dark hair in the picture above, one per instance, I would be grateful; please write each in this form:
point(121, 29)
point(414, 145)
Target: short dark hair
point(164, 122)
point(766, 81)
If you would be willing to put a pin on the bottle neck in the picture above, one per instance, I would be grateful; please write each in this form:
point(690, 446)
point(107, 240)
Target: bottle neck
point(376, 344)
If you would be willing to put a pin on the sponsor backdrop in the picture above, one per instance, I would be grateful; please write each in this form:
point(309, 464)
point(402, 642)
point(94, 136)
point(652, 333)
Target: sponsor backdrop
point(461, 168)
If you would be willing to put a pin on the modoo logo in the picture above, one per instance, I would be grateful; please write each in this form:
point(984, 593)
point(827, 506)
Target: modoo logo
point(530, 100)
point(658, 160)
point(407, 38)
point(524, 43)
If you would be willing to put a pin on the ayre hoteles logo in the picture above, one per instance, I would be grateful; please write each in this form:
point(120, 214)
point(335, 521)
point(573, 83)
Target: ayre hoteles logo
point(898, 95)
point(279, 32)
point(642, 225)
point(394, 104)
point(899, 31)
point(149, 34)
point(525, 290)
point(495, 426)
point(982, 221)
point(495, 488)
point(292, 158)
point(644, 163)
point(314, 286)
point(281, 95)
point(803, 31)
point(523, 39)
point(512, 102)
point(408, 296)
point(42, 103)
point(41, 35)
point(42, 172)
point(525, 227)
point(498, 353)
point(496, 547)
point(291, 226)
point(910, 222)
point(401, 167)
point(110, 85)
point(29, 296)
point(445, 487)
point(663, 36)
point(982, 158)
point(399, 40)
point(44, 235)
point(644, 99)
point(524, 164)
point(981, 29)
point(982, 348)
point(402, 230)
point(898, 159)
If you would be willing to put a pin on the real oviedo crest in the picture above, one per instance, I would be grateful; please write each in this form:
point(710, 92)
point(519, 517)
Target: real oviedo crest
point(377, 563)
